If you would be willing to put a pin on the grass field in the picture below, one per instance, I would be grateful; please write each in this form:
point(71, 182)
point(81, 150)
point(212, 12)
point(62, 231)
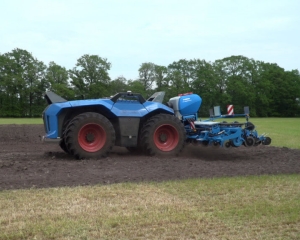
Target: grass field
point(264, 207)
point(21, 121)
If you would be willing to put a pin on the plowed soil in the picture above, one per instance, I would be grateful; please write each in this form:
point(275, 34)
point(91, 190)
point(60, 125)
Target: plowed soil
point(26, 162)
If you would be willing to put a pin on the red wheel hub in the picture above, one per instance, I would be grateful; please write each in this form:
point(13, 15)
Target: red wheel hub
point(166, 137)
point(91, 137)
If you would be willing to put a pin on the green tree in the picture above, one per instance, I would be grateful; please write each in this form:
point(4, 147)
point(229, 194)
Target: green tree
point(160, 75)
point(204, 84)
point(57, 80)
point(147, 75)
point(183, 71)
point(237, 82)
point(24, 76)
point(90, 76)
point(118, 85)
point(222, 98)
point(290, 106)
point(285, 88)
point(262, 87)
point(137, 86)
point(7, 98)
point(174, 81)
point(13, 87)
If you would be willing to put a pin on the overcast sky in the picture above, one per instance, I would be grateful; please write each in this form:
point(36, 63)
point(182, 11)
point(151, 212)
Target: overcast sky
point(131, 32)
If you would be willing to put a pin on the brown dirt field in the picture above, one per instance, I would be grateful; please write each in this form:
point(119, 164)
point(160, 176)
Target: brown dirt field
point(26, 162)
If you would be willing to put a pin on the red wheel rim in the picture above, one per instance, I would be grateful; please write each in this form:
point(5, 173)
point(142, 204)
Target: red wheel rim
point(91, 137)
point(166, 137)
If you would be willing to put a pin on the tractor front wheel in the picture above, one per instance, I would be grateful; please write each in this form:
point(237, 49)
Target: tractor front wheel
point(163, 134)
point(89, 135)
point(63, 146)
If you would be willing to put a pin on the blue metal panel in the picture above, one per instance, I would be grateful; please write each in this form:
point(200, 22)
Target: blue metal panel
point(189, 104)
point(51, 118)
point(90, 102)
point(152, 106)
point(127, 108)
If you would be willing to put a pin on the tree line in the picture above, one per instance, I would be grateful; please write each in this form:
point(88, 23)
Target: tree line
point(266, 88)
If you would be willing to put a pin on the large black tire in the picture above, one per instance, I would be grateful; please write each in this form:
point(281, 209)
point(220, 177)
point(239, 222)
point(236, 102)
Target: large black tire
point(163, 134)
point(89, 135)
point(62, 142)
point(63, 146)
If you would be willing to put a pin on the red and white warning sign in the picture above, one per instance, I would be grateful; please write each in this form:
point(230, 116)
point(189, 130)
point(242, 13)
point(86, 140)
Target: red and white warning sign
point(230, 109)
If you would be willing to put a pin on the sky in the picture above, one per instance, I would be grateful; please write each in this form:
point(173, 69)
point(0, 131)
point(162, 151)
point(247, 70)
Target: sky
point(131, 32)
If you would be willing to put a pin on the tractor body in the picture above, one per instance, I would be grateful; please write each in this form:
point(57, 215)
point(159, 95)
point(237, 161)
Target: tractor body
point(90, 128)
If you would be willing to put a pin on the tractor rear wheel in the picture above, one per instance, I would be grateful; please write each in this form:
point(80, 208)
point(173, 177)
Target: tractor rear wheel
point(89, 135)
point(163, 134)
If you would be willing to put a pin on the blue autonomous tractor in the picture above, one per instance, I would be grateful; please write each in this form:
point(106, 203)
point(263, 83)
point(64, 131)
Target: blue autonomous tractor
point(90, 128)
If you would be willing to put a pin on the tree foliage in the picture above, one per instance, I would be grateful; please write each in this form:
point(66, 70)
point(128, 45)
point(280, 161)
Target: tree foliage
point(147, 75)
point(118, 85)
point(266, 88)
point(22, 84)
point(90, 76)
point(57, 79)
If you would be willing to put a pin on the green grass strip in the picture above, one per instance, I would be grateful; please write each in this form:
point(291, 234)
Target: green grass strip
point(264, 207)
